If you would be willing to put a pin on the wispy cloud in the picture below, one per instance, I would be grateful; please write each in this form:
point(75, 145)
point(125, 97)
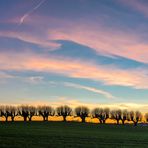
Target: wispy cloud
point(22, 19)
point(30, 38)
point(105, 41)
point(108, 41)
point(4, 75)
point(34, 79)
point(91, 89)
point(108, 74)
point(137, 5)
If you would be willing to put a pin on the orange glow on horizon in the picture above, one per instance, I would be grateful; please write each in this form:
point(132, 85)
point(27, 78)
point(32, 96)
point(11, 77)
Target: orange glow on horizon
point(69, 119)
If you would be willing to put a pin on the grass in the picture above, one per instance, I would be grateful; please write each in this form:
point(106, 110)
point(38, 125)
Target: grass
point(71, 135)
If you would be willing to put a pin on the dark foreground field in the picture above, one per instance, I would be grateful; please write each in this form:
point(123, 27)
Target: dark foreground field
point(59, 134)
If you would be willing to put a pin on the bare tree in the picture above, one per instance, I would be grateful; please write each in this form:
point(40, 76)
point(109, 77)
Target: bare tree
point(45, 111)
point(116, 115)
point(146, 117)
point(106, 114)
point(10, 111)
point(135, 117)
point(64, 111)
point(82, 112)
point(98, 113)
point(23, 111)
point(124, 116)
point(2, 111)
point(27, 112)
point(32, 112)
point(5, 112)
point(101, 114)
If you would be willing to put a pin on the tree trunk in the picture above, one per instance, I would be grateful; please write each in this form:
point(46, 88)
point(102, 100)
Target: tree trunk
point(83, 119)
point(44, 118)
point(104, 121)
point(30, 118)
point(25, 118)
point(123, 122)
point(12, 118)
point(6, 118)
point(117, 121)
point(47, 118)
point(100, 121)
point(64, 118)
point(135, 123)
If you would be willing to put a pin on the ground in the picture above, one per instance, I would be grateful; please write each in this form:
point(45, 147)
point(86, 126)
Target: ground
point(71, 134)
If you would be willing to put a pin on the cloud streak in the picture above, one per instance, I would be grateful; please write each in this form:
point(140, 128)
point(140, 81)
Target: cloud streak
point(22, 19)
point(105, 41)
point(107, 74)
point(30, 38)
point(91, 89)
point(136, 5)
point(108, 41)
point(4, 75)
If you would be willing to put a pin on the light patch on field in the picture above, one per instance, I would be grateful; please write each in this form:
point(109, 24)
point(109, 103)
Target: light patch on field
point(68, 118)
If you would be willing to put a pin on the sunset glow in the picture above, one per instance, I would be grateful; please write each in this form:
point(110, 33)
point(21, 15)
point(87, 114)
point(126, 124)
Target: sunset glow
point(80, 52)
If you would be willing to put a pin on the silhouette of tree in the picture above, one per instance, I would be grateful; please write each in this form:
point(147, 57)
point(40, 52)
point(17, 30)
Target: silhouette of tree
point(2, 112)
point(10, 111)
point(101, 114)
point(5, 112)
point(124, 116)
point(106, 114)
point(23, 111)
point(64, 111)
point(98, 113)
point(135, 117)
point(45, 111)
point(116, 115)
point(146, 117)
point(82, 112)
point(32, 112)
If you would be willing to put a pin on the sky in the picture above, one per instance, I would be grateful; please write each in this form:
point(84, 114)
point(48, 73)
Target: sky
point(74, 52)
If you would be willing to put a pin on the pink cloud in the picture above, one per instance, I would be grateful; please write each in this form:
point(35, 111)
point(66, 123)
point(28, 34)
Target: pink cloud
point(105, 41)
point(109, 75)
point(136, 5)
point(27, 37)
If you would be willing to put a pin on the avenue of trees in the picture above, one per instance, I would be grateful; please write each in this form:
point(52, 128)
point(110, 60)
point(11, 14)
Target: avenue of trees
point(102, 114)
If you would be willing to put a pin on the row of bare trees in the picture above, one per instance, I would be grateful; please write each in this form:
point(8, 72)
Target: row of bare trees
point(102, 114)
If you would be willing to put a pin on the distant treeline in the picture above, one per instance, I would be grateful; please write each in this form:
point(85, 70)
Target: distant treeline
point(102, 114)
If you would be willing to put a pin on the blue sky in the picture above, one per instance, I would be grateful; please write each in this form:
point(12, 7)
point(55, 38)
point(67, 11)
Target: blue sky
point(82, 52)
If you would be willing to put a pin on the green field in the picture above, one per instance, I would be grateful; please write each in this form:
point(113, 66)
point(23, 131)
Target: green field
point(71, 134)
